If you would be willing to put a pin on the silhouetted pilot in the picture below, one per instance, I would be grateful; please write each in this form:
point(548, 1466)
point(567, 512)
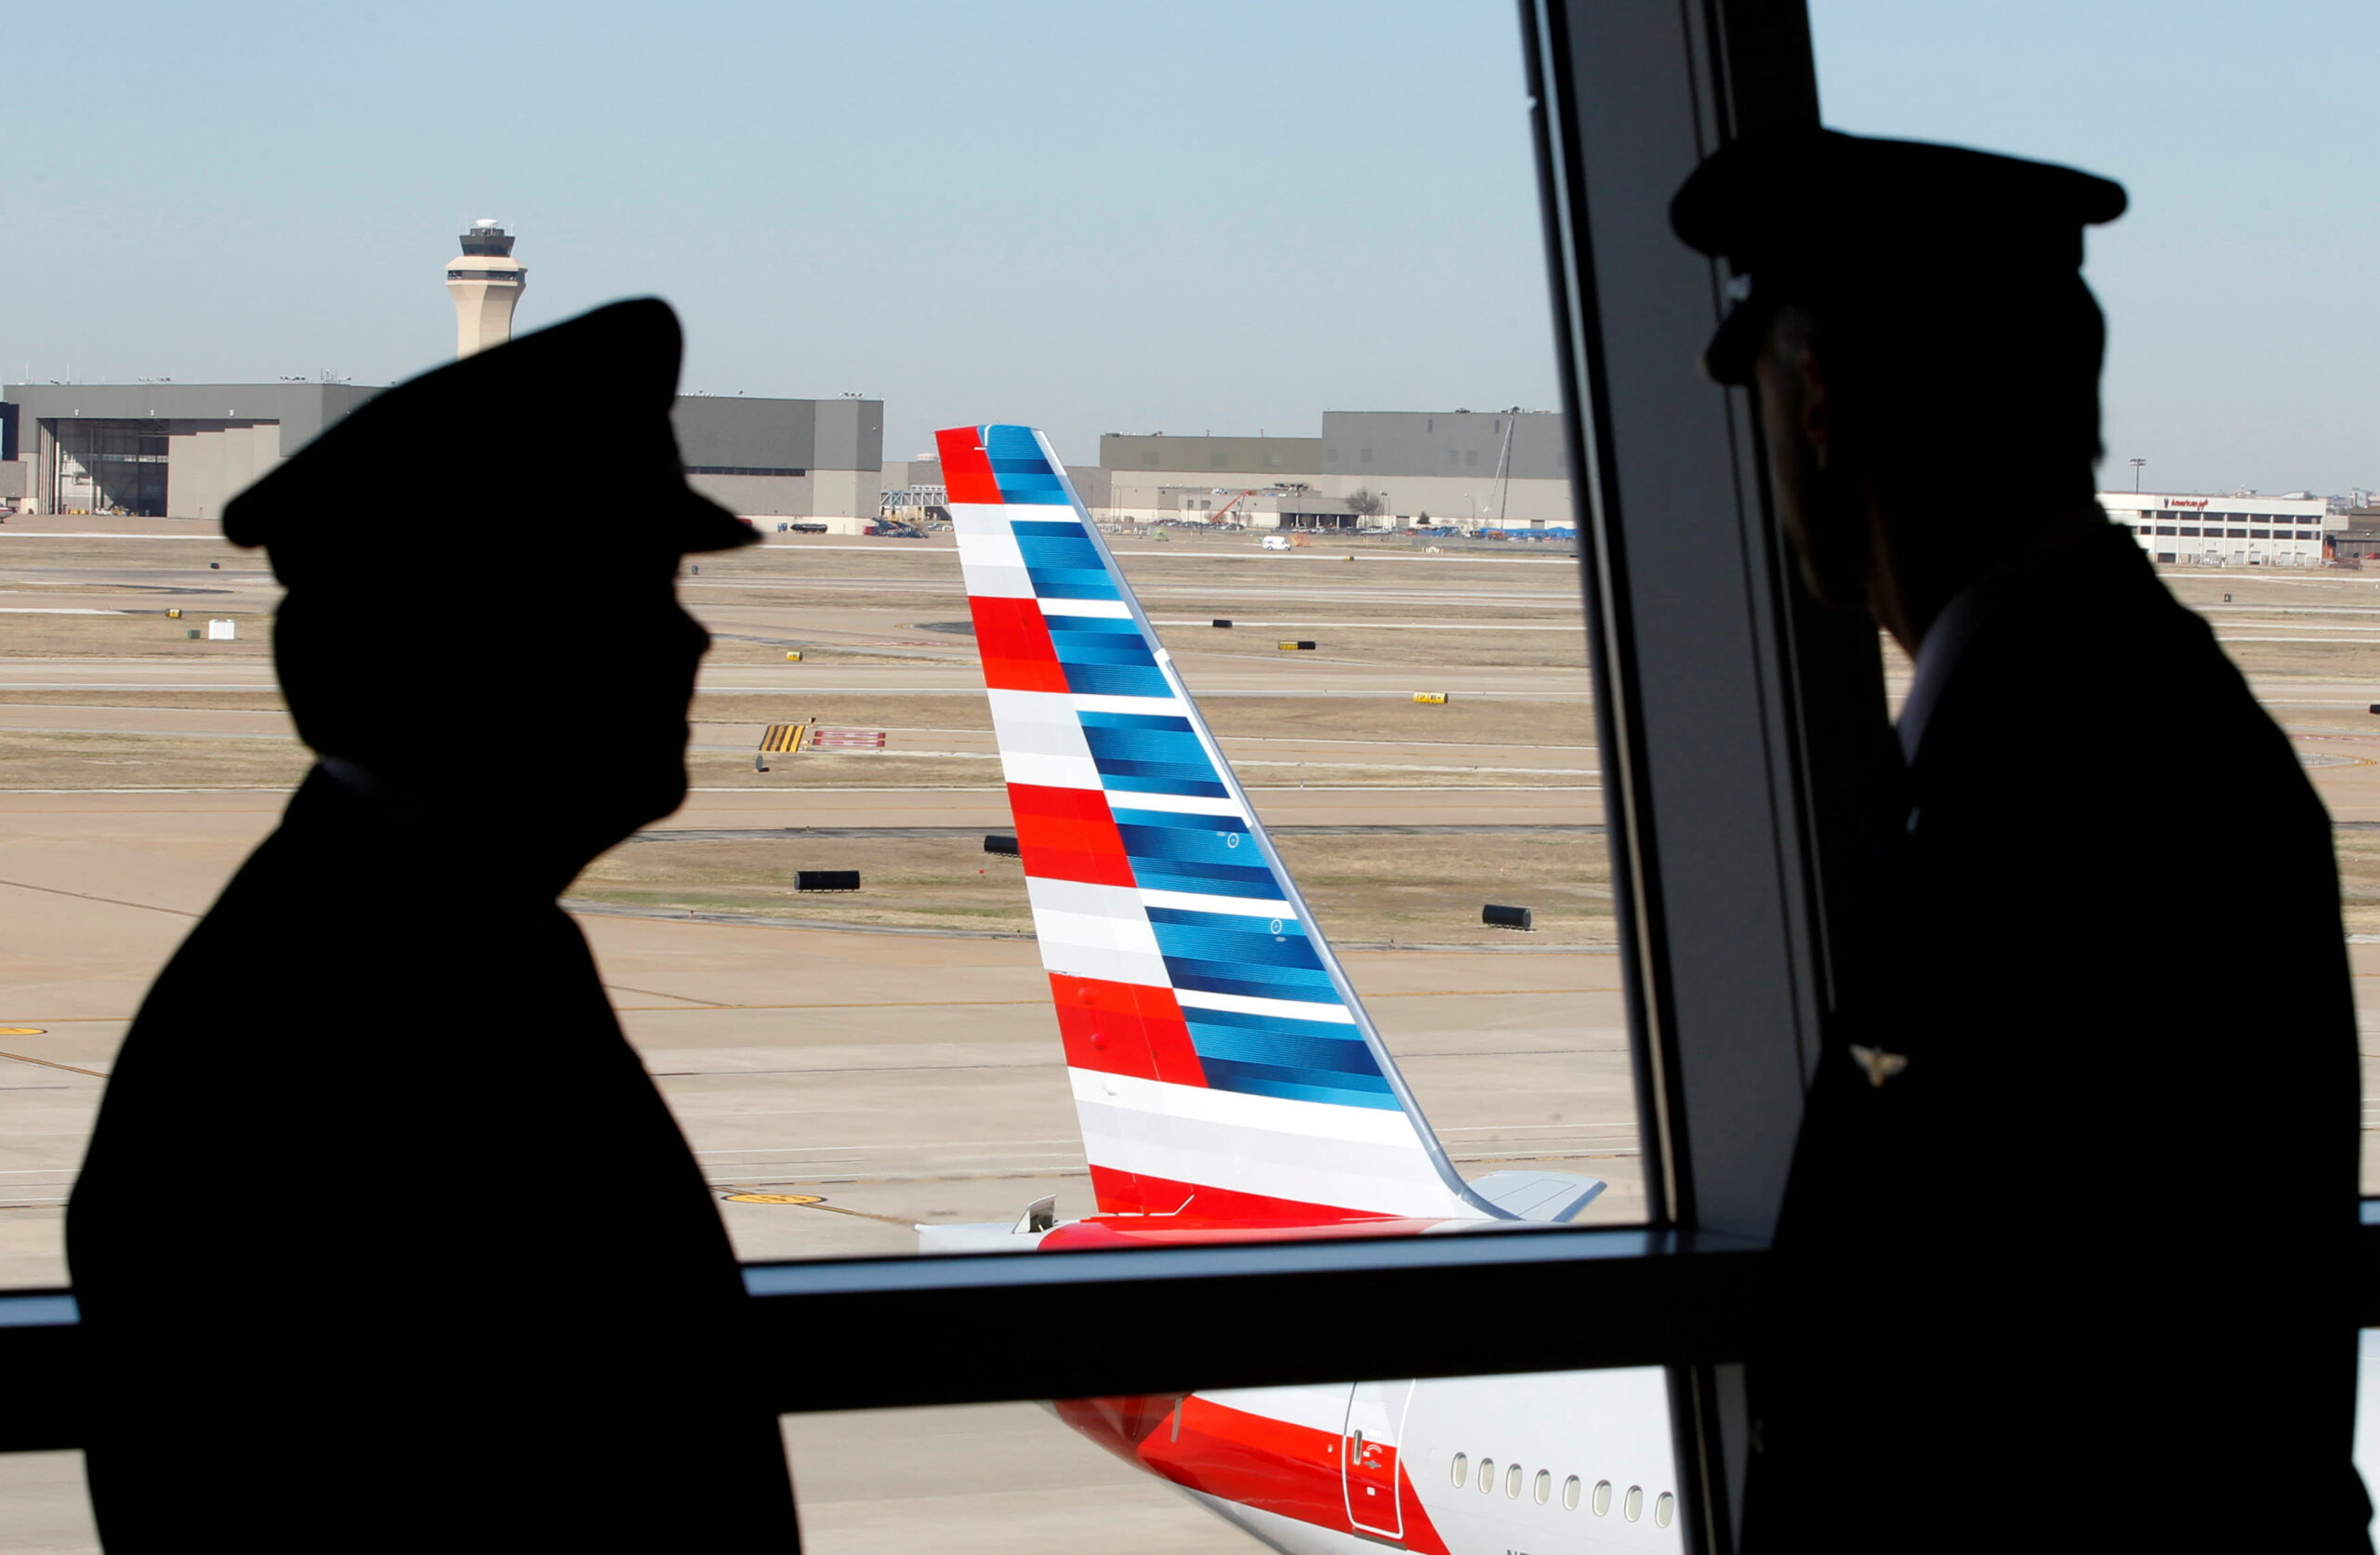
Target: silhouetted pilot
point(385, 1240)
point(2064, 1259)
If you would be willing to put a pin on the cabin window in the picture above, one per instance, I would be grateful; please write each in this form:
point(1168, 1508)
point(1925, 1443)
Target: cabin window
point(1486, 1475)
point(1571, 1494)
point(1664, 1508)
point(1634, 1508)
point(1544, 1489)
point(1512, 1482)
point(1603, 1496)
point(1462, 1470)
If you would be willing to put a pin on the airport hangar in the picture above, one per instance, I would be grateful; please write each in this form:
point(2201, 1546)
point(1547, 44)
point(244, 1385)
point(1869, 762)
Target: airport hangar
point(1473, 470)
point(169, 450)
point(1509, 470)
point(2239, 531)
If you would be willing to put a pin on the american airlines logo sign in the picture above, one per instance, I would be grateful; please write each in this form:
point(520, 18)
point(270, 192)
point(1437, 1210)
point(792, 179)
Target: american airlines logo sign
point(2186, 501)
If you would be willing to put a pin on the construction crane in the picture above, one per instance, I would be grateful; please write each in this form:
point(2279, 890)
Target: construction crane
point(1224, 512)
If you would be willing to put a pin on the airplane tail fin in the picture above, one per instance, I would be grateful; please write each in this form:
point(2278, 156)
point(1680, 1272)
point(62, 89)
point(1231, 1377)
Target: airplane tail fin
point(1225, 1073)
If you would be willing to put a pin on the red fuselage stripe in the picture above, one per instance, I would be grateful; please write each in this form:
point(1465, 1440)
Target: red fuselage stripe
point(1219, 1208)
point(1291, 1471)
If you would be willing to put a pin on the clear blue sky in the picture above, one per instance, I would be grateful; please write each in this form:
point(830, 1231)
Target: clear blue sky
point(1111, 216)
point(1115, 216)
point(2242, 288)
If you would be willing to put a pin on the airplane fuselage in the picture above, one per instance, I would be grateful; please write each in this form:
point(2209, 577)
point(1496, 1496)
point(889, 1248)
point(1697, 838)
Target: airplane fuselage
point(1543, 1465)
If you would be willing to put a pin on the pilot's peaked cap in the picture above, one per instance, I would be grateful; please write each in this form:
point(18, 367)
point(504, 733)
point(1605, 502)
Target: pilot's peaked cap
point(1894, 231)
point(558, 443)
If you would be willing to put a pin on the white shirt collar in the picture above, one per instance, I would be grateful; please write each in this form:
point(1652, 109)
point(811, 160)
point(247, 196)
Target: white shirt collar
point(1992, 597)
point(1945, 643)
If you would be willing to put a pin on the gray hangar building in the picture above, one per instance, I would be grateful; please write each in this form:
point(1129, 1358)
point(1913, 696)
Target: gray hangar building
point(169, 450)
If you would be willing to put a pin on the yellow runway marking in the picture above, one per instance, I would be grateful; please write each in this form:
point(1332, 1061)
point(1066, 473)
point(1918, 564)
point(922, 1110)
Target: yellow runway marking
point(20, 1058)
point(111, 901)
point(812, 1201)
point(656, 994)
point(23, 1031)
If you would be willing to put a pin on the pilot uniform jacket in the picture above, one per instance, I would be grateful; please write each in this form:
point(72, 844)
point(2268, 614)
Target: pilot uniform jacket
point(386, 1242)
point(2062, 1262)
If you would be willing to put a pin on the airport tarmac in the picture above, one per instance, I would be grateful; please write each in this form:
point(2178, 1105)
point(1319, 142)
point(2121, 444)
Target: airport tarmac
point(792, 1055)
point(806, 1061)
point(899, 1077)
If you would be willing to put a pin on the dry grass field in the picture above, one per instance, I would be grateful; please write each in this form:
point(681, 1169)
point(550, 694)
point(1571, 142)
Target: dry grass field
point(710, 769)
point(149, 636)
point(2359, 854)
point(739, 648)
point(256, 701)
point(2275, 660)
point(1554, 721)
point(1484, 647)
point(1557, 721)
point(56, 760)
point(1392, 889)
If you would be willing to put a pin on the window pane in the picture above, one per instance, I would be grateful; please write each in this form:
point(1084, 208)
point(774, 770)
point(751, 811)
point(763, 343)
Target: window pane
point(2367, 1411)
point(44, 1505)
point(1186, 1475)
point(1110, 1474)
point(1281, 1463)
point(2263, 468)
point(1356, 546)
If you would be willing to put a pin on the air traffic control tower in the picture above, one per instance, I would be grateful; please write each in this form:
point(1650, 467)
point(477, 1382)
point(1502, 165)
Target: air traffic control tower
point(486, 281)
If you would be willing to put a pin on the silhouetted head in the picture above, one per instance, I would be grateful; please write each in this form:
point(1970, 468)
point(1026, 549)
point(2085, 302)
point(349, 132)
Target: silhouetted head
point(482, 615)
point(1912, 316)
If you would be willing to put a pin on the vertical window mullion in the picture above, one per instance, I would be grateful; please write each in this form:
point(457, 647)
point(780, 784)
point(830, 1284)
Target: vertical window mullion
point(1717, 766)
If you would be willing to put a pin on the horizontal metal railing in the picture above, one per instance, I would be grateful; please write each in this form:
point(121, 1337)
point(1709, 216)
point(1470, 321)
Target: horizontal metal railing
point(910, 1332)
point(905, 1332)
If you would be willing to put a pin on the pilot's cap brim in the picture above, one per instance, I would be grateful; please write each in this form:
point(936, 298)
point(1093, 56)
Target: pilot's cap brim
point(1734, 349)
point(1884, 231)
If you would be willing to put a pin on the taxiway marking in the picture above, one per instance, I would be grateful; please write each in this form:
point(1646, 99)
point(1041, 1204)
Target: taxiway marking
point(45, 1063)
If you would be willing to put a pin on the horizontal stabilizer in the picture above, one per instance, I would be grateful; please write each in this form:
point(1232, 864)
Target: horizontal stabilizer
point(1548, 1196)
